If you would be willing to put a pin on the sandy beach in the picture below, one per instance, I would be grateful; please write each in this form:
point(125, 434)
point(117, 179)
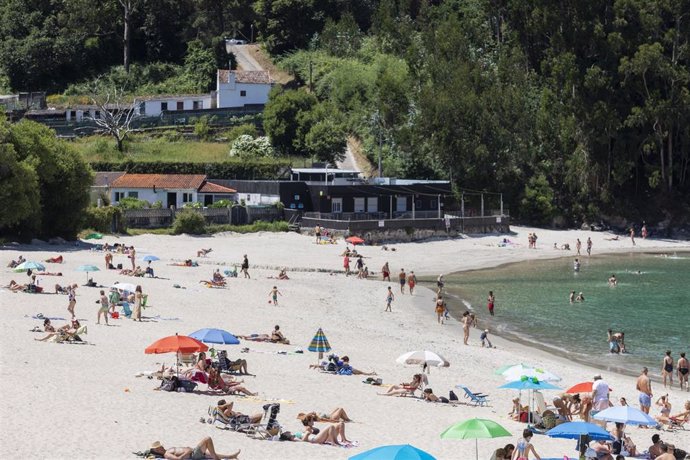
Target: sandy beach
point(85, 401)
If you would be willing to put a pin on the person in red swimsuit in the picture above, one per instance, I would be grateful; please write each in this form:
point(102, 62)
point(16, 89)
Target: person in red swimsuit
point(490, 303)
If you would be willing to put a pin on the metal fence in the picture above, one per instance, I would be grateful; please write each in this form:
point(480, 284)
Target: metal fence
point(497, 224)
point(235, 215)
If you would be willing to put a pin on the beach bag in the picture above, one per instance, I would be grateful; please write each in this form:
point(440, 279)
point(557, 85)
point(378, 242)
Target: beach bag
point(331, 367)
point(169, 384)
point(452, 396)
point(239, 420)
point(345, 371)
point(119, 266)
point(186, 385)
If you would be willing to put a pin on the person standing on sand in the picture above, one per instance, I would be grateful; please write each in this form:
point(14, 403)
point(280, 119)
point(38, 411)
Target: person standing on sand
point(440, 309)
point(667, 369)
point(132, 255)
point(72, 298)
point(103, 309)
point(490, 301)
point(346, 265)
point(600, 394)
point(389, 299)
point(138, 300)
point(440, 283)
point(273, 294)
point(644, 232)
point(578, 246)
point(411, 281)
point(317, 232)
point(402, 277)
point(245, 267)
point(108, 259)
point(466, 323)
point(644, 386)
point(632, 235)
point(683, 369)
point(386, 272)
point(589, 246)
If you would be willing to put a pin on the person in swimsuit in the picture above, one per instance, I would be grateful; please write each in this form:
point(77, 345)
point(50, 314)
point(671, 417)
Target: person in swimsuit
point(337, 415)
point(411, 282)
point(644, 386)
point(404, 388)
point(402, 277)
point(274, 295)
point(439, 283)
point(103, 309)
point(576, 265)
point(490, 302)
point(205, 449)
point(578, 246)
point(683, 368)
point(245, 267)
point(589, 246)
point(346, 264)
point(72, 298)
point(664, 408)
point(389, 299)
point(132, 255)
point(523, 447)
point(466, 323)
point(440, 309)
point(667, 369)
point(386, 272)
point(571, 297)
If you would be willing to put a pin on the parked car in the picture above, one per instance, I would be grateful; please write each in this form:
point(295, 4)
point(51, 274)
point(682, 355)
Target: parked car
point(236, 41)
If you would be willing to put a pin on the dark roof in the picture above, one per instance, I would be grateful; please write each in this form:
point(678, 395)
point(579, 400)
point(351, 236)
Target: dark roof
point(162, 181)
point(245, 76)
point(210, 187)
point(266, 187)
point(104, 179)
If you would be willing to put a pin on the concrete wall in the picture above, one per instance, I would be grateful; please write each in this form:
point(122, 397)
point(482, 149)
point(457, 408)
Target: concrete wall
point(230, 95)
point(153, 107)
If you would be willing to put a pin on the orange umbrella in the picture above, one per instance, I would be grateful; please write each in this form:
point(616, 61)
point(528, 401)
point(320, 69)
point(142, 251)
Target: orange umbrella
point(582, 387)
point(175, 344)
point(354, 240)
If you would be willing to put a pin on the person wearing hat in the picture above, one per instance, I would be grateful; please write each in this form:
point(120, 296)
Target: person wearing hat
point(484, 337)
point(204, 449)
point(600, 395)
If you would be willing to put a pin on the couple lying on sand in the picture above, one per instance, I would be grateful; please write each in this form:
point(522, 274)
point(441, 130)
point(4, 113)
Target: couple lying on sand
point(274, 337)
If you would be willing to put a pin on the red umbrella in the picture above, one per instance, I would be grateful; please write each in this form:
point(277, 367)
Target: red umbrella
point(176, 344)
point(582, 387)
point(354, 240)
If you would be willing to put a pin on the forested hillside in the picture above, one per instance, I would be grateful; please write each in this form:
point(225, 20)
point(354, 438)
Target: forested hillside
point(574, 110)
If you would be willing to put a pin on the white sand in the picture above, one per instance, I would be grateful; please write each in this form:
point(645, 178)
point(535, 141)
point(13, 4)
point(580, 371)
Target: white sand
point(84, 401)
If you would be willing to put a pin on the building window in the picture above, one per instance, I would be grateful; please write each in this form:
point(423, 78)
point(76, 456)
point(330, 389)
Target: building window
point(186, 197)
point(133, 194)
point(249, 198)
point(243, 93)
point(73, 114)
point(119, 196)
point(197, 105)
point(337, 205)
point(359, 204)
point(180, 105)
point(296, 197)
point(164, 106)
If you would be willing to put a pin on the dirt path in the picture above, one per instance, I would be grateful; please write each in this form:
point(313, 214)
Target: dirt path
point(245, 61)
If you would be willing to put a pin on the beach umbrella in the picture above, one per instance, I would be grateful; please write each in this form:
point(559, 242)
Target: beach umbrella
point(504, 368)
point(175, 344)
point(93, 236)
point(215, 336)
point(529, 383)
point(150, 258)
point(520, 370)
point(423, 357)
point(475, 428)
point(129, 287)
point(87, 269)
point(29, 265)
point(577, 430)
point(626, 414)
point(394, 452)
point(319, 343)
point(354, 240)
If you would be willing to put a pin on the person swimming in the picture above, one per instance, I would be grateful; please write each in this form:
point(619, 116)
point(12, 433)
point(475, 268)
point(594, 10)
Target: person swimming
point(576, 265)
point(580, 297)
point(612, 280)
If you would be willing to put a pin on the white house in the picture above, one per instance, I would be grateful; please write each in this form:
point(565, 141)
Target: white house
point(237, 88)
point(170, 189)
point(155, 105)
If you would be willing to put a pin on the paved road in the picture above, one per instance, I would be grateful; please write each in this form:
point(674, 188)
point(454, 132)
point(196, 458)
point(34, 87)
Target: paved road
point(245, 61)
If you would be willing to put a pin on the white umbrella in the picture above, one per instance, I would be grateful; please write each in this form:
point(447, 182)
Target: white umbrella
point(129, 287)
point(520, 370)
point(423, 357)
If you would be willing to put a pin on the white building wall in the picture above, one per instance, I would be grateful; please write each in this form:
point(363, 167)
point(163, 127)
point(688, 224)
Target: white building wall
point(230, 95)
point(159, 195)
point(256, 199)
point(153, 107)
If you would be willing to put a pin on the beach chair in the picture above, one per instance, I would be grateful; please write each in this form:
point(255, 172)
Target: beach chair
point(479, 399)
point(677, 424)
point(188, 359)
point(225, 366)
point(126, 310)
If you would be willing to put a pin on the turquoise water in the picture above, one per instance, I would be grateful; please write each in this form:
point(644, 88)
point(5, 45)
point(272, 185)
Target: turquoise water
point(652, 307)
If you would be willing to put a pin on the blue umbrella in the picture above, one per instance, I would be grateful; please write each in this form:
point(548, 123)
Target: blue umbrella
point(574, 430)
point(394, 452)
point(87, 269)
point(215, 336)
point(529, 383)
point(626, 414)
point(29, 265)
point(150, 258)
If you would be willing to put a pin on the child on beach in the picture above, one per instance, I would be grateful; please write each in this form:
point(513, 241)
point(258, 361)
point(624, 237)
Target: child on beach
point(484, 337)
point(389, 299)
point(440, 309)
point(274, 293)
point(490, 302)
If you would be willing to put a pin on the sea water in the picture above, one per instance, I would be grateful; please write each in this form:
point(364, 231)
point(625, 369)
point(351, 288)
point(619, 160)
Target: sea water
point(651, 304)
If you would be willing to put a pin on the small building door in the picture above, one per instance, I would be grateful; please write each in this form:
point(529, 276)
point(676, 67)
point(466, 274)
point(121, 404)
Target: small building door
point(208, 200)
point(401, 203)
point(373, 204)
point(172, 199)
point(337, 205)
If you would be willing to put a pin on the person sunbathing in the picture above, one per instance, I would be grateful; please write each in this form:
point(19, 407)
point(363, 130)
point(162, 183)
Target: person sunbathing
point(205, 449)
point(14, 263)
point(278, 337)
point(218, 278)
point(428, 395)
point(226, 383)
point(329, 435)
point(282, 275)
point(405, 388)
point(48, 273)
point(66, 332)
point(337, 415)
point(238, 364)
point(223, 413)
point(47, 326)
point(346, 362)
point(203, 252)
point(54, 260)
point(16, 287)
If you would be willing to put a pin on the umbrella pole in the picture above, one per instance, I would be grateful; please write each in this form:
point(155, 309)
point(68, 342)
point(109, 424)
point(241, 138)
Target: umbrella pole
point(476, 449)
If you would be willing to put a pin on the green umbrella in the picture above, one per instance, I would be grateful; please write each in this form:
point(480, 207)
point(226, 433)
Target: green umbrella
point(475, 428)
point(93, 236)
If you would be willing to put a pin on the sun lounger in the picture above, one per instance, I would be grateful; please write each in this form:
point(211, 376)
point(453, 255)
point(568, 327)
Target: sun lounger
point(479, 399)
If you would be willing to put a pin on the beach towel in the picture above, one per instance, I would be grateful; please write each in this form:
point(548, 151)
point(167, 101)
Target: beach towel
point(164, 319)
point(52, 318)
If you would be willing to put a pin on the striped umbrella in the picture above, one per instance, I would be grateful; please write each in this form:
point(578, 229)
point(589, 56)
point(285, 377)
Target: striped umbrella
point(319, 343)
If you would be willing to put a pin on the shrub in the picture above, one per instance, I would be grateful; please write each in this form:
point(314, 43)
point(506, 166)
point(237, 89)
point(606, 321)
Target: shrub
point(189, 221)
point(241, 130)
point(202, 128)
point(158, 204)
point(221, 204)
point(101, 219)
point(258, 226)
point(133, 203)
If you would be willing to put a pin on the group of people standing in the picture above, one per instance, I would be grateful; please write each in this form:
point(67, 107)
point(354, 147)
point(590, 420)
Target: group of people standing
point(682, 368)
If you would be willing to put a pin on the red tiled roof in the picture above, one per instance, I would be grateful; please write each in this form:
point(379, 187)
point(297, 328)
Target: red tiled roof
point(245, 76)
point(161, 181)
point(210, 187)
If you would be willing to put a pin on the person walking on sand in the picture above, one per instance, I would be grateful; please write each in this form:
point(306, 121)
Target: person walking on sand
point(103, 309)
point(245, 267)
point(346, 264)
point(273, 294)
point(71, 298)
point(389, 300)
point(632, 235)
point(578, 246)
point(589, 246)
point(644, 386)
point(490, 301)
point(683, 369)
point(466, 323)
point(440, 309)
point(386, 272)
point(667, 369)
point(440, 283)
point(411, 282)
point(132, 255)
point(402, 277)
point(138, 300)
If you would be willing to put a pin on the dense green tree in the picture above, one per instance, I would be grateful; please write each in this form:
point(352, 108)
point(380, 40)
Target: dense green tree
point(287, 119)
point(19, 192)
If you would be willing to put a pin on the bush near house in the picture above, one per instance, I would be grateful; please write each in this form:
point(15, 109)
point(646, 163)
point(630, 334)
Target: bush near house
point(189, 221)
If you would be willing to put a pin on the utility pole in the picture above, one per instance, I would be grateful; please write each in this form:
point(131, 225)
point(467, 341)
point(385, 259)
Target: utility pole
point(311, 71)
point(251, 39)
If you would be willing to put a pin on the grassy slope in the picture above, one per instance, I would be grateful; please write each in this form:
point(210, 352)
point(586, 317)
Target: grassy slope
point(97, 148)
